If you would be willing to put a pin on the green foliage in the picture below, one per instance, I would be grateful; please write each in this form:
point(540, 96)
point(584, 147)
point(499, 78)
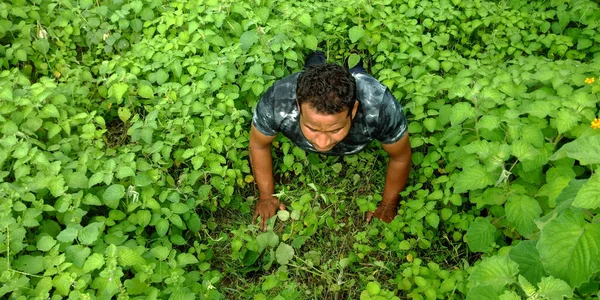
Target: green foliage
point(124, 151)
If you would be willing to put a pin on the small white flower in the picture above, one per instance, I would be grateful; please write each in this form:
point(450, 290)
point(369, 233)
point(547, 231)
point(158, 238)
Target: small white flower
point(42, 33)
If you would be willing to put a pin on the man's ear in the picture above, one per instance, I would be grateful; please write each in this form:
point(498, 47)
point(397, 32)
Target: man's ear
point(355, 108)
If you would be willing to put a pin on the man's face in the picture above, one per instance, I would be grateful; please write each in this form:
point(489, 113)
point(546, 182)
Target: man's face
point(325, 131)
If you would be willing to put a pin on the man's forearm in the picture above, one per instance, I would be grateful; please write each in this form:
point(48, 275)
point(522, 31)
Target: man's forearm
point(262, 166)
point(395, 179)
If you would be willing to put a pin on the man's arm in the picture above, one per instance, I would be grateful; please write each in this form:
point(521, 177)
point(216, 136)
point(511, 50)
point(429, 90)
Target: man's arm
point(395, 178)
point(262, 166)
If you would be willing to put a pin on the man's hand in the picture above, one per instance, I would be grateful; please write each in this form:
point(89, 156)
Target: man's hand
point(266, 207)
point(386, 211)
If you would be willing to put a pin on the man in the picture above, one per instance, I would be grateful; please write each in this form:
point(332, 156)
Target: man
point(331, 110)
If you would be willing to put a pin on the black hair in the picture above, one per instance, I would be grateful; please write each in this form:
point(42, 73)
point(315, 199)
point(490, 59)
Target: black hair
point(328, 88)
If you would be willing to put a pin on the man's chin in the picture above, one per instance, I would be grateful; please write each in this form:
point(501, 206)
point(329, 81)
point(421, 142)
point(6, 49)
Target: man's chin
point(323, 150)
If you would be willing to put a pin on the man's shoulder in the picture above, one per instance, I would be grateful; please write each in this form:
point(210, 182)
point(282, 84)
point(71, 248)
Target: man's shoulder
point(285, 88)
point(370, 92)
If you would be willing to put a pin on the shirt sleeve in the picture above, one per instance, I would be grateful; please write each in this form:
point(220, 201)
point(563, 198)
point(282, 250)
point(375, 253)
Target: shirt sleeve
point(264, 114)
point(392, 122)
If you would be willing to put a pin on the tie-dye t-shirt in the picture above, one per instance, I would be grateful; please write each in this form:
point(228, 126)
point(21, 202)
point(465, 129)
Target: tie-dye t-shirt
point(379, 115)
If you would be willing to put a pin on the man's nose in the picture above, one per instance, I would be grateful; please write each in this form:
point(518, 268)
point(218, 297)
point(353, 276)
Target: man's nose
point(322, 141)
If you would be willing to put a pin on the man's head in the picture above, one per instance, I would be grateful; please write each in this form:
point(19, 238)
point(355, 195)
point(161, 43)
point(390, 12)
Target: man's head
point(326, 96)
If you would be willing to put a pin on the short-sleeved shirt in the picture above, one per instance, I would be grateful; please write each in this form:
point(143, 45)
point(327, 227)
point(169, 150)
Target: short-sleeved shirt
point(379, 115)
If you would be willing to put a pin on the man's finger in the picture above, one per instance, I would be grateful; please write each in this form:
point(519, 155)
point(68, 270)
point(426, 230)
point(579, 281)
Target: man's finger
point(369, 216)
point(254, 217)
point(263, 224)
point(281, 206)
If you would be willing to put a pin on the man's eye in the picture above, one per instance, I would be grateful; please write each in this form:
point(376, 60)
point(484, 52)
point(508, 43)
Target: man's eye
point(336, 131)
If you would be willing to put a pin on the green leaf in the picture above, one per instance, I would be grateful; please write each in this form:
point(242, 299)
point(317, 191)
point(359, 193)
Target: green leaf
point(460, 112)
point(145, 91)
point(305, 19)
point(113, 194)
point(93, 262)
point(521, 212)
point(45, 243)
point(523, 150)
point(555, 289)
point(129, 257)
point(89, 234)
point(480, 235)
point(570, 248)
point(124, 114)
point(283, 215)
point(284, 253)
point(311, 42)
point(248, 39)
point(526, 255)
point(267, 239)
point(162, 226)
point(186, 259)
point(125, 171)
point(117, 90)
point(584, 149)
point(495, 271)
point(527, 287)
point(57, 186)
point(77, 180)
point(29, 264)
point(160, 252)
point(353, 60)
point(584, 43)
point(589, 195)
point(356, 33)
point(67, 235)
point(430, 124)
point(472, 178)
point(6, 93)
point(269, 283)
point(566, 119)
point(433, 220)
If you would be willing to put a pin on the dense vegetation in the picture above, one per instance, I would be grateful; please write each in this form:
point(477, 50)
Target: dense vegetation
point(124, 163)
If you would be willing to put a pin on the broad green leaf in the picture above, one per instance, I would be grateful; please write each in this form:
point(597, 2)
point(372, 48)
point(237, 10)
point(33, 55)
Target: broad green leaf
point(113, 194)
point(93, 262)
point(29, 264)
point(124, 171)
point(527, 287)
point(305, 19)
point(496, 271)
point(557, 179)
point(490, 122)
point(521, 212)
point(130, 257)
point(124, 114)
point(472, 178)
point(45, 243)
point(284, 253)
point(269, 283)
point(562, 202)
point(160, 252)
point(356, 33)
point(523, 150)
point(186, 259)
point(584, 43)
point(570, 248)
point(77, 254)
point(311, 42)
point(117, 90)
point(481, 235)
point(77, 180)
point(248, 39)
point(589, 195)
point(430, 124)
point(267, 239)
point(433, 220)
point(526, 255)
point(353, 60)
point(510, 295)
point(57, 186)
point(566, 119)
point(67, 235)
point(89, 234)
point(6, 93)
point(460, 112)
point(483, 292)
point(283, 215)
point(145, 91)
point(555, 289)
point(584, 149)
point(162, 226)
